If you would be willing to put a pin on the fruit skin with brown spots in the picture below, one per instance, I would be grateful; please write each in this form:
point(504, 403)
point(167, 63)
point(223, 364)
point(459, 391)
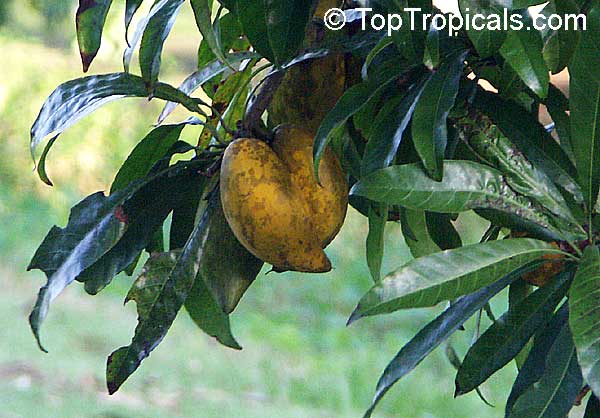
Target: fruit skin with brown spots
point(328, 201)
point(266, 211)
point(274, 205)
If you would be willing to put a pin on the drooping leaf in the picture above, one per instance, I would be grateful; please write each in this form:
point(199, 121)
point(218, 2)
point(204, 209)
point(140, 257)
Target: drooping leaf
point(507, 336)
point(203, 14)
point(230, 37)
point(557, 389)
point(388, 130)
point(466, 185)
point(131, 6)
point(429, 130)
point(96, 225)
point(156, 32)
point(486, 41)
point(592, 408)
point(558, 107)
point(449, 274)
point(416, 233)
point(168, 300)
point(77, 98)
point(146, 211)
point(585, 108)
point(522, 50)
point(228, 269)
point(560, 44)
point(585, 315)
point(147, 152)
point(354, 99)
point(198, 78)
point(523, 129)
point(442, 230)
point(275, 28)
point(410, 40)
point(41, 166)
point(378, 215)
point(535, 365)
point(432, 335)
point(90, 18)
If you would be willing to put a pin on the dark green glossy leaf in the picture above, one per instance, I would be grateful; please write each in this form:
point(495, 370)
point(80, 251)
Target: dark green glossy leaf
point(432, 335)
point(522, 50)
point(354, 99)
point(139, 31)
point(388, 130)
point(585, 108)
point(592, 409)
point(275, 28)
point(466, 185)
point(90, 18)
point(523, 129)
point(229, 36)
point(410, 41)
point(131, 6)
point(492, 146)
point(378, 215)
point(431, 57)
point(147, 152)
point(507, 336)
point(156, 32)
point(557, 389)
point(168, 300)
point(534, 366)
point(77, 98)
point(429, 130)
point(203, 14)
point(146, 211)
point(416, 233)
point(585, 315)
point(560, 44)
point(487, 42)
point(449, 274)
point(442, 230)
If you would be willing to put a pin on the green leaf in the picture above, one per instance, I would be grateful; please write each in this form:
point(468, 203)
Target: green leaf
point(585, 108)
point(585, 315)
point(522, 49)
point(449, 274)
point(90, 18)
point(147, 152)
point(466, 185)
point(146, 211)
point(77, 98)
point(229, 36)
point(523, 177)
point(534, 366)
point(432, 335)
point(275, 28)
point(487, 42)
point(378, 215)
point(388, 129)
point(228, 269)
point(97, 225)
point(416, 233)
point(442, 230)
point(41, 166)
point(156, 32)
point(429, 130)
point(131, 6)
point(524, 130)
point(168, 300)
point(198, 78)
point(592, 408)
point(556, 391)
point(203, 14)
point(559, 45)
point(353, 100)
point(410, 41)
point(507, 336)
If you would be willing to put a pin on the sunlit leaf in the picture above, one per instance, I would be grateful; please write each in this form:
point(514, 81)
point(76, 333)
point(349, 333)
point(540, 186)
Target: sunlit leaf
point(90, 18)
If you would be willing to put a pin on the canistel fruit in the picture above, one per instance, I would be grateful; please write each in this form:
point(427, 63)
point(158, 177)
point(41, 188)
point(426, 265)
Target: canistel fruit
point(274, 205)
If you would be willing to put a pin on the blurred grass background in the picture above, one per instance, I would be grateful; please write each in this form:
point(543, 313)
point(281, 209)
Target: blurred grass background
point(299, 359)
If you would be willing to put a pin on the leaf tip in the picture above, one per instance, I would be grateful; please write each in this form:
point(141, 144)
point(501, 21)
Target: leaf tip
point(355, 316)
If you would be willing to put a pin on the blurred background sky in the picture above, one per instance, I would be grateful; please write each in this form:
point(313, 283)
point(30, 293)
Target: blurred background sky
point(299, 359)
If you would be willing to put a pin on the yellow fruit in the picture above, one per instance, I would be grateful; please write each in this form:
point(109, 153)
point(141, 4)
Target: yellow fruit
point(266, 211)
point(328, 201)
point(274, 205)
